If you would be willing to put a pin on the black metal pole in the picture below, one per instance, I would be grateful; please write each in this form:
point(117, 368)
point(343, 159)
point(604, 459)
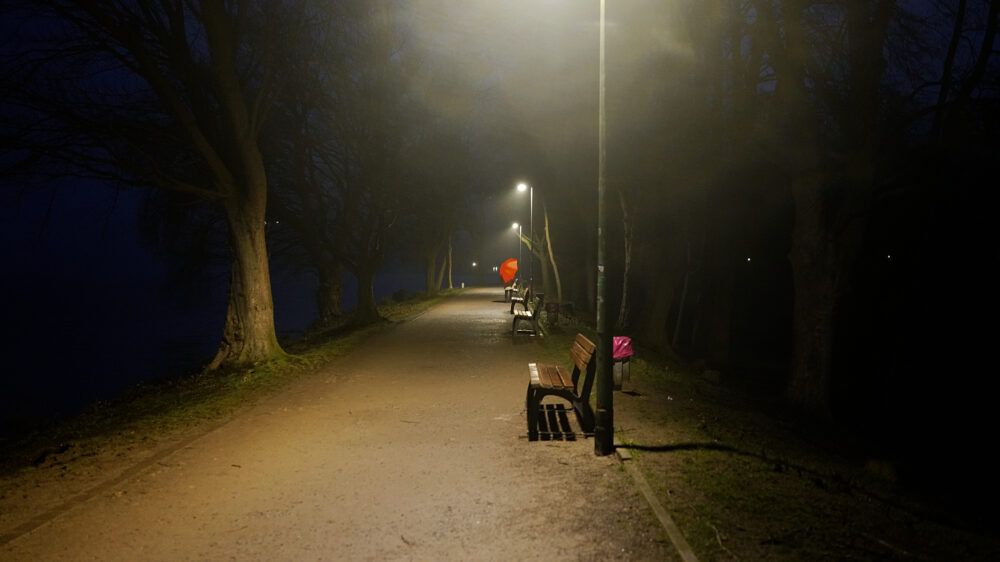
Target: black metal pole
point(531, 229)
point(604, 423)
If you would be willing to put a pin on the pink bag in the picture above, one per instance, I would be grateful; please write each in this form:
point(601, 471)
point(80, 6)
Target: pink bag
point(621, 347)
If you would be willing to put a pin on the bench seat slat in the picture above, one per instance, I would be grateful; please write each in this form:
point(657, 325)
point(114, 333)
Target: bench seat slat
point(558, 376)
point(539, 376)
point(549, 376)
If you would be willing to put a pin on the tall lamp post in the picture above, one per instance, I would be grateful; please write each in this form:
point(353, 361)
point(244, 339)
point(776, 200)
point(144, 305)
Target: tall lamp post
point(531, 231)
point(517, 227)
point(604, 419)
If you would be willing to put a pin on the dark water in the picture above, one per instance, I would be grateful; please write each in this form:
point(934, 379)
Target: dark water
point(89, 343)
point(87, 316)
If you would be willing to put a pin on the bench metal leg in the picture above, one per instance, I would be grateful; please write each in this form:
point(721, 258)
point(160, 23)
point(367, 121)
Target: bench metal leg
point(532, 405)
point(584, 415)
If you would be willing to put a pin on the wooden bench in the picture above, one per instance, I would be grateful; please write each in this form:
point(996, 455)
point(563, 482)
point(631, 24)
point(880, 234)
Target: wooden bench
point(510, 290)
point(524, 298)
point(530, 315)
point(552, 380)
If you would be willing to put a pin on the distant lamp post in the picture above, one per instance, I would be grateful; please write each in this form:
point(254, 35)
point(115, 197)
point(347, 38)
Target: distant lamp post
point(517, 227)
point(531, 230)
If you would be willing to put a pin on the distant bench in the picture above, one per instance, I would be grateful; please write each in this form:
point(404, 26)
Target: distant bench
point(529, 314)
point(510, 290)
point(523, 299)
point(552, 380)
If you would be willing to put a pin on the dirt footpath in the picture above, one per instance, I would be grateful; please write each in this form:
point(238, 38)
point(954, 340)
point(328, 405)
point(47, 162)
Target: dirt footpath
point(411, 448)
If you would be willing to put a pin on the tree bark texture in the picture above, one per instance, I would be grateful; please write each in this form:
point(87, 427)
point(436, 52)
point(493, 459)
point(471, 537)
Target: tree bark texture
point(329, 294)
point(431, 282)
point(367, 312)
point(627, 228)
point(450, 284)
point(814, 280)
point(249, 333)
point(552, 258)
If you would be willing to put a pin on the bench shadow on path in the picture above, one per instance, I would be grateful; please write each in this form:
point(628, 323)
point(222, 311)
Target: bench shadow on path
point(554, 424)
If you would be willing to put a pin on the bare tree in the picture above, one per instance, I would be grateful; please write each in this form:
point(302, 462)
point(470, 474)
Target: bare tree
point(829, 67)
point(167, 94)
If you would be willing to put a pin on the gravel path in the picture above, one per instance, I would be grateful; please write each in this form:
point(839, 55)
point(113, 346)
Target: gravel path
point(411, 448)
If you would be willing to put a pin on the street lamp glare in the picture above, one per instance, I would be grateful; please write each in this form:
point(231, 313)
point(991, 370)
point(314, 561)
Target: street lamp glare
point(515, 226)
point(522, 186)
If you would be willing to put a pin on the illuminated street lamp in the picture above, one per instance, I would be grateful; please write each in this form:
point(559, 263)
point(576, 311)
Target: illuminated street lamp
point(531, 230)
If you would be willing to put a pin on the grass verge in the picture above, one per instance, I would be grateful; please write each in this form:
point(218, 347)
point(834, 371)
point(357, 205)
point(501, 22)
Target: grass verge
point(745, 480)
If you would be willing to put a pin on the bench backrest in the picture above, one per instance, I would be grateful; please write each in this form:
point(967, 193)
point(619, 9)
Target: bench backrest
point(584, 361)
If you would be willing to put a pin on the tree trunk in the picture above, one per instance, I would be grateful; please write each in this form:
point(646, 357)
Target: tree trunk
point(329, 294)
point(440, 274)
point(552, 258)
point(623, 311)
point(591, 274)
point(813, 275)
point(430, 264)
point(450, 284)
point(944, 90)
point(808, 386)
point(658, 299)
point(248, 335)
point(681, 309)
point(830, 209)
point(711, 329)
point(367, 312)
point(545, 284)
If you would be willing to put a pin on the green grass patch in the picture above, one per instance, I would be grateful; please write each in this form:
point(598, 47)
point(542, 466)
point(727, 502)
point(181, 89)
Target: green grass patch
point(745, 480)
